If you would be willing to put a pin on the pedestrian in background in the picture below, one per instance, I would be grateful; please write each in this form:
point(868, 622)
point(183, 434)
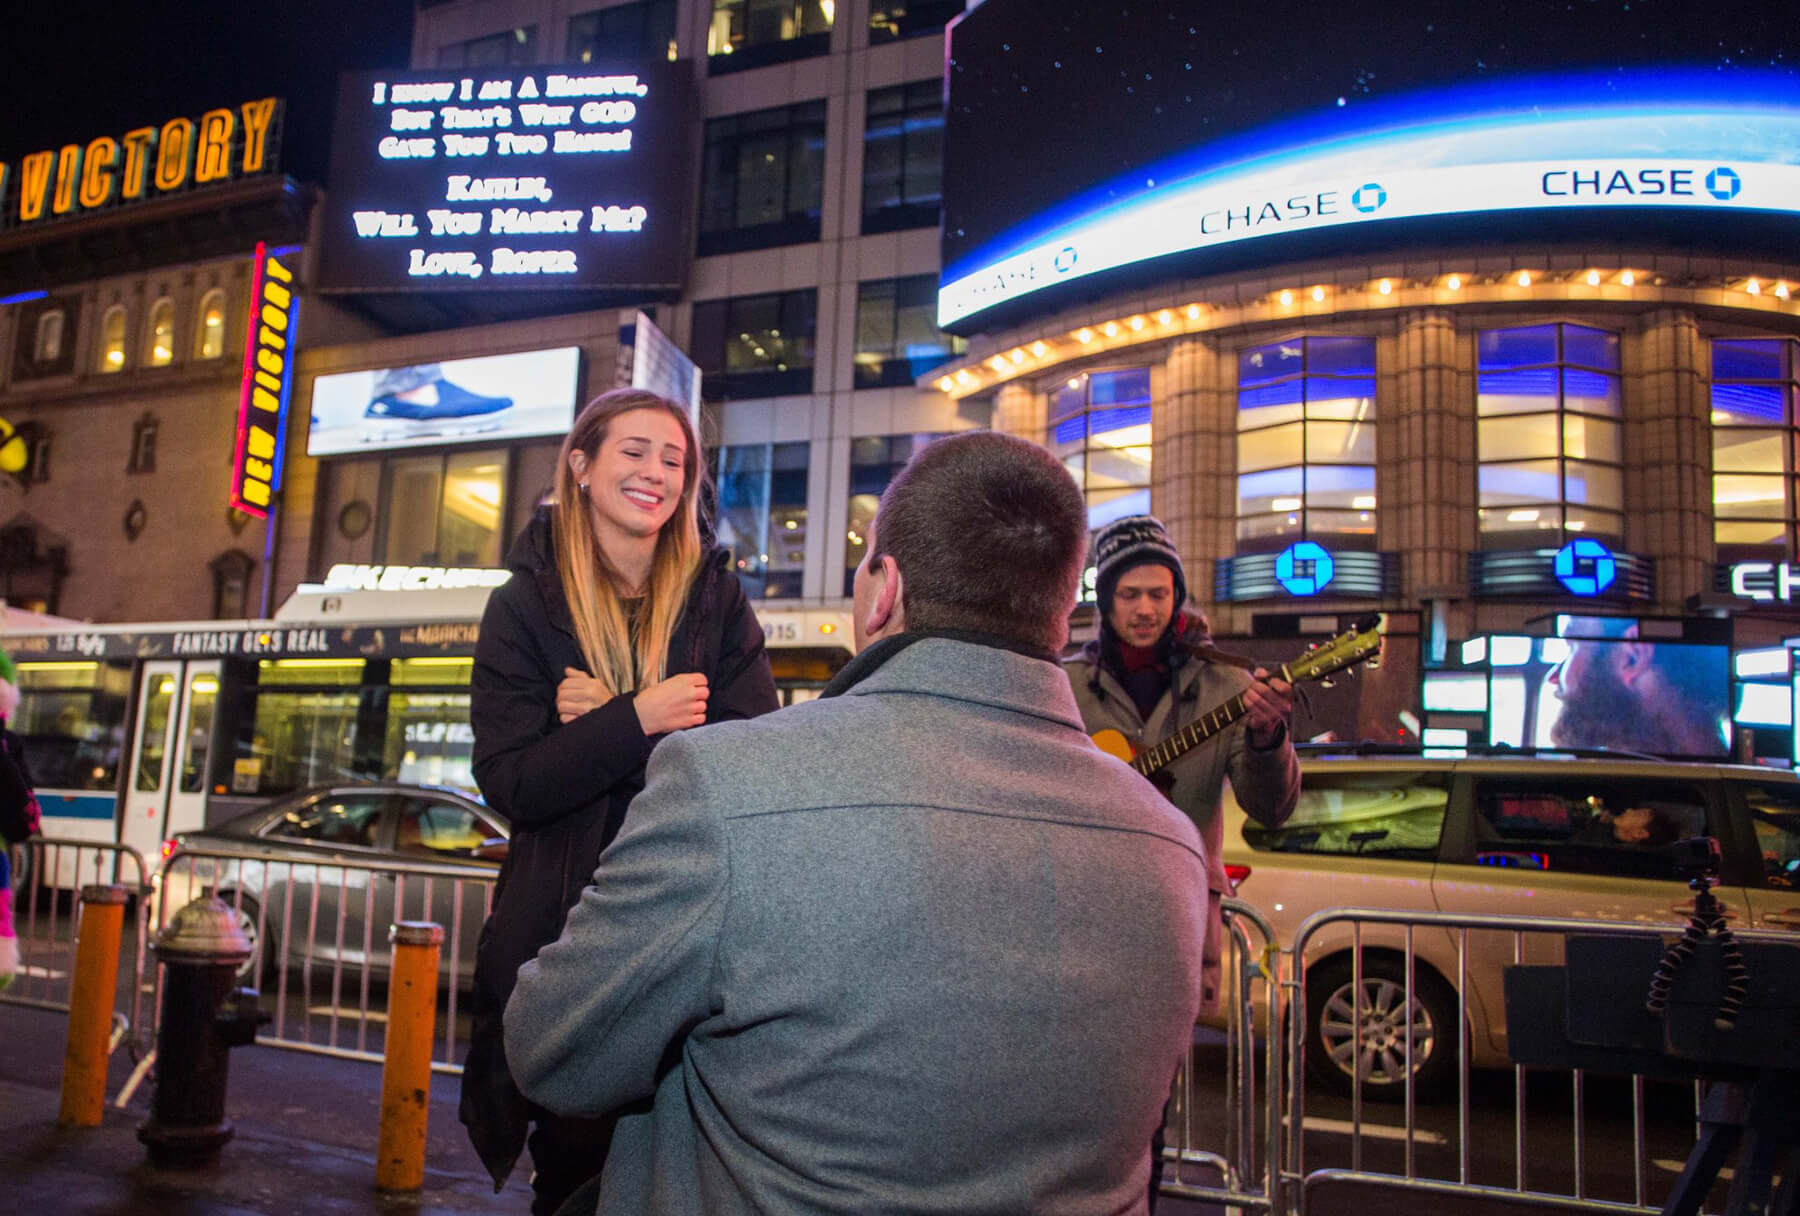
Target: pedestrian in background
point(620, 626)
point(19, 815)
point(916, 946)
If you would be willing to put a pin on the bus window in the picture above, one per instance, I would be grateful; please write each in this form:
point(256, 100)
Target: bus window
point(429, 739)
point(71, 717)
point(300, 739)
point(203, 695)
point(154, 731)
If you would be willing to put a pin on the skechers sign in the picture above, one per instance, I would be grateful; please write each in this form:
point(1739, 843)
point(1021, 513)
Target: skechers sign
point(509, 179)
point(1706, 144)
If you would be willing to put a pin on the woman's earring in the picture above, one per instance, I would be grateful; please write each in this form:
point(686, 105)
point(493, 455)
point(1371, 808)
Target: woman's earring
point(582, 486)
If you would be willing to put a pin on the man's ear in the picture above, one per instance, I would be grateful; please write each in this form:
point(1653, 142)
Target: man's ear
point(1632, 661)
point(887, 608)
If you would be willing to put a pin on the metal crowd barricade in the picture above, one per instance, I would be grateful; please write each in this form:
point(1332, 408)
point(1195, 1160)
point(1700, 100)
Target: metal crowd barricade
point(1584, 1165)
point(1246, 1173)
point(322, 955)
point(49, 875)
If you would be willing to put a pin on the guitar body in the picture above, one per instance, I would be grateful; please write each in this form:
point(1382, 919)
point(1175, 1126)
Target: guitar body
point(1115, 744)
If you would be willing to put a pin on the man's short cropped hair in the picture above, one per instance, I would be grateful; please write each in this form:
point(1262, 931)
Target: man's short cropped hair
point(990, 533)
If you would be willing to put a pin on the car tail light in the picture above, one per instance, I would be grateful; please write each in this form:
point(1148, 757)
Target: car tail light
point(1235, 875)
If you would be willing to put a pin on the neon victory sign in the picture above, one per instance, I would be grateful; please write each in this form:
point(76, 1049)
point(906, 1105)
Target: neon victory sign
point(1718, 145)
point(263, 395)
point(141, 164)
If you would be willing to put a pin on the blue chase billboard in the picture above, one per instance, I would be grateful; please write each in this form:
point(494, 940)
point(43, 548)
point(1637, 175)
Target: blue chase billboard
point(1130, 133)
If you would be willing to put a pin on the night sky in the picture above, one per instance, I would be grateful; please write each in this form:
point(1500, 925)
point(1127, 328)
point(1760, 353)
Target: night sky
point(73, 70)
point(1052, 98)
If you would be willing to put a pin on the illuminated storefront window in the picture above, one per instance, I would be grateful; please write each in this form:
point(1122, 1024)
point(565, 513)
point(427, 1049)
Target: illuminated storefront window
point(903, 157)
point(762, 180)
point(874, 459)
point(1306, 443)
point(211, 339)
point(443, 509)
point(762, 516)
point(1753, 393)
point(112, 339)
point(897, 338)
point(749, 33)
point(1100, 428)
point(1547, 400)
point(159, 349)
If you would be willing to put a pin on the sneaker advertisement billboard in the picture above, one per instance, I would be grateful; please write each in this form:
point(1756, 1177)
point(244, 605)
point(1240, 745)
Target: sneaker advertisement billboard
point(493, 398)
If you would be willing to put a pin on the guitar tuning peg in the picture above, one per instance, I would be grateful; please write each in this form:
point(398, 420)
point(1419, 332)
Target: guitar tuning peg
point(1327, 682)
point(1374, 662)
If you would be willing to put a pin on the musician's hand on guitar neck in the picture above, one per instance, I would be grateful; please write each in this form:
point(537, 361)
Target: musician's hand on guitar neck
point(1268, 703)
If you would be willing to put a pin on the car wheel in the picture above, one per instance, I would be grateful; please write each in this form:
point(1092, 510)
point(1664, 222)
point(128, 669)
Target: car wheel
point(1380, 1022)
point(263, 960)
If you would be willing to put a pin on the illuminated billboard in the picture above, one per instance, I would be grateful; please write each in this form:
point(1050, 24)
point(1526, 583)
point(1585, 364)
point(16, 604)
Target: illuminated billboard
point(1077, 148)
point(141, 164)
point(523, 178)
point(490, 399)
point(268, 376)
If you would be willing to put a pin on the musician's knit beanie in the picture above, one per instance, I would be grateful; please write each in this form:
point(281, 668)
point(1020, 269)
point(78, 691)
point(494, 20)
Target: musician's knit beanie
point(1133, 541)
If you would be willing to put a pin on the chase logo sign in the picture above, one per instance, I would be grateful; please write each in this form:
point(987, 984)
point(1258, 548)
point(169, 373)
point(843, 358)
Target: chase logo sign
point(1368, 198)
point(1304, 568)
point(1584, 566)
point(1723, 184)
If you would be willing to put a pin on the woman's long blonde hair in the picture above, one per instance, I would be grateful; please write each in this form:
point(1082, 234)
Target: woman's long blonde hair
point(622, 659)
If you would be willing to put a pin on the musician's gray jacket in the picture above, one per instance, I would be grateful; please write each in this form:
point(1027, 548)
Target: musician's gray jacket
point(1266, 783)
point(919, 947)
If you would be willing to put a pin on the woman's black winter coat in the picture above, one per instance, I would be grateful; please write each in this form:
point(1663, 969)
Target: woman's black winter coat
point(565, 787)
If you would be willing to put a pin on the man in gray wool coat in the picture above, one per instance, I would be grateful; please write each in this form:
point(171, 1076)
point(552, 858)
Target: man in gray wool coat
point(915, 946)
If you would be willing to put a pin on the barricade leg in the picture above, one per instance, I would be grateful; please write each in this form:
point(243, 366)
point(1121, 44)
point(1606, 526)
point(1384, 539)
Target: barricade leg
point(91, 1006)
point(406, 1062)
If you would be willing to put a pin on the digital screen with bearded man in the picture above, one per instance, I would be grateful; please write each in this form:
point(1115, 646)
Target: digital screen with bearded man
point(1611, 689)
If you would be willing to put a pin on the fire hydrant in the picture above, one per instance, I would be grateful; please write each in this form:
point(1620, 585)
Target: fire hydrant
point(204, 1015)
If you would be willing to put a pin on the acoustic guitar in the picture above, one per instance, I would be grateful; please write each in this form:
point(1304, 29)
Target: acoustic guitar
point(1359, 643)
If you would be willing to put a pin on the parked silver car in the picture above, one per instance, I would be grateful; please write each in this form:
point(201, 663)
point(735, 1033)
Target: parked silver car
point(317, 877)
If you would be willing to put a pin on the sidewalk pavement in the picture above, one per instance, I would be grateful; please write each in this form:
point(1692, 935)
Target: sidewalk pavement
point(306, 1128)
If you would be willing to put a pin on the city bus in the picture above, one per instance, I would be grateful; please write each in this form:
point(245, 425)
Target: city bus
point(135, 732)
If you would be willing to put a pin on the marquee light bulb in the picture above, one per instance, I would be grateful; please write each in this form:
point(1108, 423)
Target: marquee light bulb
point(1017, 356)
point(1628, 279)
point(1110, 329)
point(1287, 299)
point(1084, 336)
point(1593, 278)
point(1038, 349)
point(1318, 295)
point(1193, 311)
point(1385, 287)
point(1781, 291)
point(1455, 283)
point(1753, 287)
point(1137, 323)
point(1524, 279)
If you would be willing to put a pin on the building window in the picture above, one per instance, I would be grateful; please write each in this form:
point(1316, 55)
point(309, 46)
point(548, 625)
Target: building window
point(49, 345)
point(443, 509)
point(1306, 443)
point(625, 31)
point(874, 460)
point(1754, 386)
point(756, 346)
point(210, 342)
point(36, 438)
point(1100, 428)
point(1548, 437)
point(751, 33)
point(903, 157)
point(763, 178)
point(762, 516)
point(159, 349)
point(112, 339)
point(496, 50)
point(231, 584)
point(897, 338)
point(143, 446)
point(890, 20)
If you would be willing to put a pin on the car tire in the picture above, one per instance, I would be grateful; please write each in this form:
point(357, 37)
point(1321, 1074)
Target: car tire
point(261, 966)
point(1331, 1035)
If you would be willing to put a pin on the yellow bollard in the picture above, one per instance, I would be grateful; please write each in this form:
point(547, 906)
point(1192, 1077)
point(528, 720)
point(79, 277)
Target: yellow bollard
point(91, 1006)
point(406, 1064)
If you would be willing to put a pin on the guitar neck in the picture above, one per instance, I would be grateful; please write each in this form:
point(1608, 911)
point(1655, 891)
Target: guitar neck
point(1193, 734)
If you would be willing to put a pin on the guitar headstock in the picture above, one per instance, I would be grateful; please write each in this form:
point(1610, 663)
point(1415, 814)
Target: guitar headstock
point(1357, 644)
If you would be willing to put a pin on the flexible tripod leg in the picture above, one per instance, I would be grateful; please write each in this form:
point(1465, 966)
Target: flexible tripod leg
point(1722, 1119)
